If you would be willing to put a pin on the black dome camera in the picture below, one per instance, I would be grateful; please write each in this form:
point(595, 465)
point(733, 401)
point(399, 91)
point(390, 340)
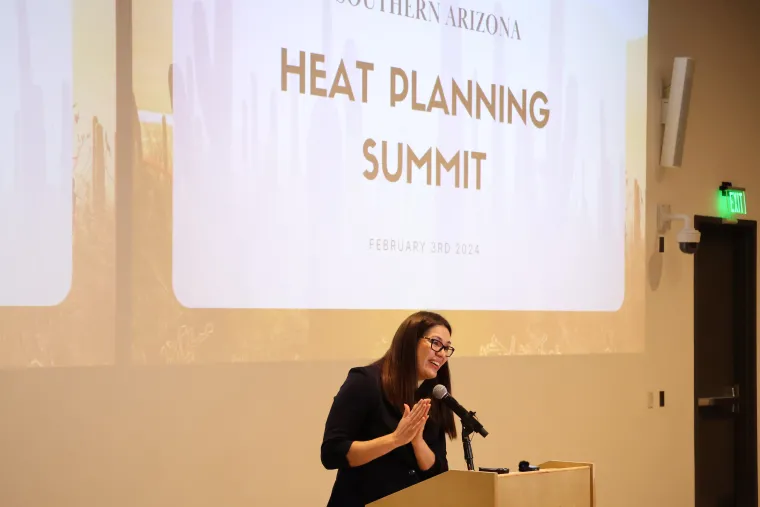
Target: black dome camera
point(688, 237)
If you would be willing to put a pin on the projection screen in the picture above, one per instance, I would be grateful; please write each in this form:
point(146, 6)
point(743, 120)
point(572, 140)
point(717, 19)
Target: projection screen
point(304, 174)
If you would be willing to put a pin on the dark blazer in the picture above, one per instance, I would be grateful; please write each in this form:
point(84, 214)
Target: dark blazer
point(359, 413)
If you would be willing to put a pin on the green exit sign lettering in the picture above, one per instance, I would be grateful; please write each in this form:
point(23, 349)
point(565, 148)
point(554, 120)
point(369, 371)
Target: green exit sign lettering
point(736, 201)
point(732, 200)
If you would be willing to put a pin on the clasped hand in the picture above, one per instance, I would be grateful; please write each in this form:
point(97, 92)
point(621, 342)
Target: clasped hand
point(412, 423)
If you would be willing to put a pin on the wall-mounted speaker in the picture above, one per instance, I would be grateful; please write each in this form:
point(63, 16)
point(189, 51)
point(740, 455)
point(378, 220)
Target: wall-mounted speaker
point(676, 112)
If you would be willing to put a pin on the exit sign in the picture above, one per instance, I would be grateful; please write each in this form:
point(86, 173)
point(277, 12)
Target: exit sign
point(736, 201)
point(733, 201)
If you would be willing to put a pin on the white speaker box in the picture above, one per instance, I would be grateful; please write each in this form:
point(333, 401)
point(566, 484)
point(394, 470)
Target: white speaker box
point(676, 112)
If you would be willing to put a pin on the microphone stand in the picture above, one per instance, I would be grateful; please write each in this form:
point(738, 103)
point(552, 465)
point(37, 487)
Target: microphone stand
point(467, 432)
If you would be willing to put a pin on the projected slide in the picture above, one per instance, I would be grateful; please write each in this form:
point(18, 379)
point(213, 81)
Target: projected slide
point(373, 154)
point(36, 144)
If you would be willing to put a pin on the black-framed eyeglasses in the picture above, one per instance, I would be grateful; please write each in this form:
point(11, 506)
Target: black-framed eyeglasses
point(437, 346)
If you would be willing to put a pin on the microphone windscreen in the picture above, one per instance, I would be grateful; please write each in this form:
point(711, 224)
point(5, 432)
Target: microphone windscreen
point(440, 391)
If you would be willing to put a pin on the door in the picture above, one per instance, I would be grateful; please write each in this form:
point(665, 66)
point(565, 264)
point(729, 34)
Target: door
point(725, 364)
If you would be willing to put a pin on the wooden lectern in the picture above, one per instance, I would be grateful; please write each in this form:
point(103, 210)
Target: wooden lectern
point(556, 484)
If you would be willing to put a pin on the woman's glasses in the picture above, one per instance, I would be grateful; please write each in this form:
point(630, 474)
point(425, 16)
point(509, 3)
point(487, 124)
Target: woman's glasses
point(437, 346)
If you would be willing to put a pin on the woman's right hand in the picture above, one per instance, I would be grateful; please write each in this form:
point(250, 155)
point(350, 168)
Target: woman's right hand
point(411, 422)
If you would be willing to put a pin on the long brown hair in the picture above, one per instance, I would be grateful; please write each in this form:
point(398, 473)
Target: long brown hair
point(399, 369)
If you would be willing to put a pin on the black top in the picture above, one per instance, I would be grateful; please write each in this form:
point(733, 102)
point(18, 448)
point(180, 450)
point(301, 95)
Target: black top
point(360, 412)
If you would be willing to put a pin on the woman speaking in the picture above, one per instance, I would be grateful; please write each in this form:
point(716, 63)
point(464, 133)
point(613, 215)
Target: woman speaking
point(383, 432)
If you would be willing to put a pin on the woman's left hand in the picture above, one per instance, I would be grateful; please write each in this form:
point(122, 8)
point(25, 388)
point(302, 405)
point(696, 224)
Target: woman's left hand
point(418, 437)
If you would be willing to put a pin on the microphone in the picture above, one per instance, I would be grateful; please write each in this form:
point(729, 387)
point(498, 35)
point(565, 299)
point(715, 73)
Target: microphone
point(468, 418)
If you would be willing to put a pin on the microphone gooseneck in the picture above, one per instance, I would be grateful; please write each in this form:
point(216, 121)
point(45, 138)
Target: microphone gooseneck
point(470, 423)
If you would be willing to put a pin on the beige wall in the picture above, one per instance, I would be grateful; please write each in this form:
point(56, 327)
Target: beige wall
point(249, 435)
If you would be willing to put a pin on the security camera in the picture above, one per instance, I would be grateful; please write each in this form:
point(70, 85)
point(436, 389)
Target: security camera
point(688, 240)
point(688, 237)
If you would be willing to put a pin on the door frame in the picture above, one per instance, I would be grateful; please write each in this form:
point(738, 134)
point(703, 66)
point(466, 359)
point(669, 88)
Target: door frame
point(750, 348)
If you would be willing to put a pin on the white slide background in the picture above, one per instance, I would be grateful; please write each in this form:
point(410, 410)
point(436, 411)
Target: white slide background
point(271, 208)
point(36, 115)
